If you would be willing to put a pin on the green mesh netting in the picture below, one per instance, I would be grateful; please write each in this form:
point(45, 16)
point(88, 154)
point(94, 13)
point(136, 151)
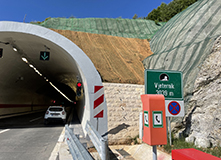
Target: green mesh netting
point(128, 28)
point(186, 40)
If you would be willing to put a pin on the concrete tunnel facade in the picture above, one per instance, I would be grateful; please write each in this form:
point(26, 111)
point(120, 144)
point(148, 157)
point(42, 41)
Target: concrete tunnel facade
point(28, 83)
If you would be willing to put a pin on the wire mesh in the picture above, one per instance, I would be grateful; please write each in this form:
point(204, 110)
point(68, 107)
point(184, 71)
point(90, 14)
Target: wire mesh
point(186, 40)
point(128, 28)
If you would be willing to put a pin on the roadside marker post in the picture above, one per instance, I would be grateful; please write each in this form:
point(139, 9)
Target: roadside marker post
point(154, 121)
point(98, 103)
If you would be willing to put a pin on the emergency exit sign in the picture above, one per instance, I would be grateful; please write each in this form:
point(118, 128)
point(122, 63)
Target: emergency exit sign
point(168, 83)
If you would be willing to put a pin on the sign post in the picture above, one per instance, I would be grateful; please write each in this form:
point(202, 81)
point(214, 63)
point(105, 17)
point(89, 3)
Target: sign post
point(169, 84)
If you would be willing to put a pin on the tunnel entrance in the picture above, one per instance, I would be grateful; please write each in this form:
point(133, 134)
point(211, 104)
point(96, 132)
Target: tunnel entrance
point(40, 67)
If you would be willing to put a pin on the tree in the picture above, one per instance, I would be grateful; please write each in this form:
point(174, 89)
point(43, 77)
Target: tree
point(135, 16)
point(165, 12)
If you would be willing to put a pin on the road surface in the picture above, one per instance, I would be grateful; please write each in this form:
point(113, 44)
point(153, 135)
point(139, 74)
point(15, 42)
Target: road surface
point(27, 138)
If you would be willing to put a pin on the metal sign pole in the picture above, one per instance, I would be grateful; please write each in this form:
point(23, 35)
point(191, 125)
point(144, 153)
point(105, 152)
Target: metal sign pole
point(97, 124)
point(154, 152)
point(170, 130)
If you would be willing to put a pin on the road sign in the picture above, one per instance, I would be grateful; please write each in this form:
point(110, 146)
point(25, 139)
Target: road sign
point(174, 108)
point(168, 83)
point(146, 119)
point(98, 101)
point(157, 119)
point(44, 56)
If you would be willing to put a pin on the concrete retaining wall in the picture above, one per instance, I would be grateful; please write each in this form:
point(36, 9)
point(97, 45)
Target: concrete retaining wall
point(123, 107)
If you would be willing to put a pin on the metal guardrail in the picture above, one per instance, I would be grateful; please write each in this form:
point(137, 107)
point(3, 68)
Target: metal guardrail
point(77, 150)
point(99, 142)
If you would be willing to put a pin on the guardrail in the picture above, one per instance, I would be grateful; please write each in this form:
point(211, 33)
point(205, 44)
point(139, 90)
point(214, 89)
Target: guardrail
point(77, 150)
point(99, 142)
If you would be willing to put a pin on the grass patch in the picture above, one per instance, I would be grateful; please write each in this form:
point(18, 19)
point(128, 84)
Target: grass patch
point(181, 144)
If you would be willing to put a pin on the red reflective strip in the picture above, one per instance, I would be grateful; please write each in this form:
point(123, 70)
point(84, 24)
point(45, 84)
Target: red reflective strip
point(100, 115)
point(98, 101)
point(97, 88)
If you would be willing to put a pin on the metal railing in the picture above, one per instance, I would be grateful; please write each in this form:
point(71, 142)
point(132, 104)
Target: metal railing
point(99, 142)
point(77, 150)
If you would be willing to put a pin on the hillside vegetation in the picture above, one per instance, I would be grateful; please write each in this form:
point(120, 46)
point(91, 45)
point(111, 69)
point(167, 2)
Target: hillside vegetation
point(165, 12)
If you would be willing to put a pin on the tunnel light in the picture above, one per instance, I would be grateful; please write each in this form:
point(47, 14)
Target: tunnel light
point(30, 65)
point(60, 92)
point(15, 49)
point(24, 59)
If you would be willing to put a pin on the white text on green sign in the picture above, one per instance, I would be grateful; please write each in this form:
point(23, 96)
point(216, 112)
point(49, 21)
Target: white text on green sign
point(168, 83)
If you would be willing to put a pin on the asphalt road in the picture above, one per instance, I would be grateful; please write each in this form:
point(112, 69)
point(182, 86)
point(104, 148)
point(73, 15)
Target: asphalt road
point(27, 138)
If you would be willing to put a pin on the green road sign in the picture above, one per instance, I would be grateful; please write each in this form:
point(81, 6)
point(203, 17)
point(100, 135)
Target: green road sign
point(168, 83)
point(44, 56)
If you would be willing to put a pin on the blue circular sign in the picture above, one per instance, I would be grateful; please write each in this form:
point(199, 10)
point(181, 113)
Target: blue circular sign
point(174, 108)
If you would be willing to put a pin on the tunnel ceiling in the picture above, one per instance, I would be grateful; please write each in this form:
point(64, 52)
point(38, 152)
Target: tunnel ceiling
point(27, 79)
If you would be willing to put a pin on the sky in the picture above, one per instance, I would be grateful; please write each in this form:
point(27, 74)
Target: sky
point(39, 10)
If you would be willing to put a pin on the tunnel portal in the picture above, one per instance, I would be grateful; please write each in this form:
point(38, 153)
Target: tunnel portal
point(40, 67)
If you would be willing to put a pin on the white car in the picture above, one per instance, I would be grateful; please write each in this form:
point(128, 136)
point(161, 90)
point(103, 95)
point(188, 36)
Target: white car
point(54, 113)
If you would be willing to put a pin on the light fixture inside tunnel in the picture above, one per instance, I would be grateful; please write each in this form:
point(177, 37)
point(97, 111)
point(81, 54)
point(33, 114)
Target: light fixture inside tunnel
point(30, 65)
point(15, 49)
point(60, 92)
point(45, 78)
point(24, 59)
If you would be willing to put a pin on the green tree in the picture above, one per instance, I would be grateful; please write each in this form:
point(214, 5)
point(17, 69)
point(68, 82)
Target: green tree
point(135, 16)
point(165, 12)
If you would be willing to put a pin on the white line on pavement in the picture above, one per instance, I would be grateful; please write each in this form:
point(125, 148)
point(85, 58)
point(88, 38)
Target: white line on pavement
point(4, 131)
point(35, 119)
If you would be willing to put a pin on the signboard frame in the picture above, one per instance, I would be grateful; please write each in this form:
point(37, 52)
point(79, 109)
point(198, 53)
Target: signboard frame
point(168, 83)
point(154, 85)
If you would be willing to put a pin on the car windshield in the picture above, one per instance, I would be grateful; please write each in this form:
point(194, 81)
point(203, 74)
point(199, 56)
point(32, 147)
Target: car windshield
point(55, 109)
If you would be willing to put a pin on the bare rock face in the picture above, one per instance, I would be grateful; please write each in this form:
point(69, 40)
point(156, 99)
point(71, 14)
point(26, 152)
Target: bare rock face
point(203, 121)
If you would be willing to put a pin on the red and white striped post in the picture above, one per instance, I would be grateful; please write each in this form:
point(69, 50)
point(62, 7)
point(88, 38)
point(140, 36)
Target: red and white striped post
point(98, 102)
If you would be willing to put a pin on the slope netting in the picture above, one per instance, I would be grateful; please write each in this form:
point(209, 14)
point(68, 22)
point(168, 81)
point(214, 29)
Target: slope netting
point(186, 40)
point(128, 28)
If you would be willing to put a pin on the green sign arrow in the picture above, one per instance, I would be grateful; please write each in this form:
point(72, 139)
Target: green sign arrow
point(44, 55)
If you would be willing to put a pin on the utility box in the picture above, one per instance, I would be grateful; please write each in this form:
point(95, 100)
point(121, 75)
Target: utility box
point(154, 119)
point(191, 154)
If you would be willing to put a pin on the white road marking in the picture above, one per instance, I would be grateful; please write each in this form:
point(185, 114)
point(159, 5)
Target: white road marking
point(4, 131)
point(55, 152)
point(35, 119)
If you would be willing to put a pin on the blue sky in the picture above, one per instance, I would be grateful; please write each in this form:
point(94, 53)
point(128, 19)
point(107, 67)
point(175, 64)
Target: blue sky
point(38, 10)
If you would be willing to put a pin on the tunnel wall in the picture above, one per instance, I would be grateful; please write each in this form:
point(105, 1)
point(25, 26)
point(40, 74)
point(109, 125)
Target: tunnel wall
point(88, 72)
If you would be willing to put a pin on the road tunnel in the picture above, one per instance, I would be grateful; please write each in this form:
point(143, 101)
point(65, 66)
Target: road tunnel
point(40, 67)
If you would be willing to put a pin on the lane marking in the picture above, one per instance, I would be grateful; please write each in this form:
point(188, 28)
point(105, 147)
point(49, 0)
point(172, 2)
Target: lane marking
point(35, 119)
point(55, 153)
point(4, 131)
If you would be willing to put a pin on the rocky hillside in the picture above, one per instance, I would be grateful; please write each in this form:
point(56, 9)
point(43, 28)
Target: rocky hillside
point(203, 120)
point(188, 43)
point(117, 59)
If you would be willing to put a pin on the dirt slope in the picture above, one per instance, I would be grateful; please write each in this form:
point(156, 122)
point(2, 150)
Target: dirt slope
point(117, 59)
